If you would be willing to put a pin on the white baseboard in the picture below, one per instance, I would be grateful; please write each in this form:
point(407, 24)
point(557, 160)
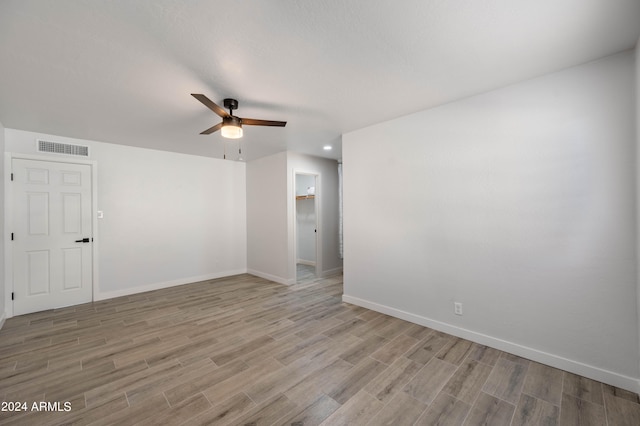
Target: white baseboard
point(3, 317)
point(306, 262)
point(595, 373)
point(166, 284)
point(275, 278)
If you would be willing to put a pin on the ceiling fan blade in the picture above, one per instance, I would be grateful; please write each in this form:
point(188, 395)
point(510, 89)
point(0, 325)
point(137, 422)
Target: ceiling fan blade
point(254, 122)
point(211, 105)
point(212, 129)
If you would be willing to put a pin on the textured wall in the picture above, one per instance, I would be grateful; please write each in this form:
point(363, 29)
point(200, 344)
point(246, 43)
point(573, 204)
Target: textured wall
point(168, 218)
point(519, 203)
point(267, 249)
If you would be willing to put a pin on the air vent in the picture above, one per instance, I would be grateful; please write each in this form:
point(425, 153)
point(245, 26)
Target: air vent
point(62, 148)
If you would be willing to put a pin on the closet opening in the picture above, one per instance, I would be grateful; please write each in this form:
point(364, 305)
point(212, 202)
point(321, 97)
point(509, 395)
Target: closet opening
point(306, 223)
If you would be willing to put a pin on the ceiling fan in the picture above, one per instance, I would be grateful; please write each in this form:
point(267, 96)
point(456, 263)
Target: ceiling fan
point(231, 125)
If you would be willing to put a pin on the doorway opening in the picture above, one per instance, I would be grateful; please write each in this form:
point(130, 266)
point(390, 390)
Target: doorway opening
point(306, 224)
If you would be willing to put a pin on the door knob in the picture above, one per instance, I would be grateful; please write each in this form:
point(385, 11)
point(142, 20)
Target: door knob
point(84, 240)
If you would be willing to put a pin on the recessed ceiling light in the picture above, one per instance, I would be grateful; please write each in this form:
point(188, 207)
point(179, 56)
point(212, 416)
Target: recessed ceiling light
point(327, 147)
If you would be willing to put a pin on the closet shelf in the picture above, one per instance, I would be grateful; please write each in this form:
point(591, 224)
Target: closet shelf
point(305, 197)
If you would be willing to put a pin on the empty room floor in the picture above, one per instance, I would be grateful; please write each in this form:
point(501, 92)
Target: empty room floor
point(243, 350)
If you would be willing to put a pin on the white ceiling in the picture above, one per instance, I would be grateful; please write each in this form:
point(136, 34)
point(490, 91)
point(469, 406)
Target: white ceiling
point(122, 71)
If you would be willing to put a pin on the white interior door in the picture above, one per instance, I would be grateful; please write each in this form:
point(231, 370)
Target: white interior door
point(52, 241)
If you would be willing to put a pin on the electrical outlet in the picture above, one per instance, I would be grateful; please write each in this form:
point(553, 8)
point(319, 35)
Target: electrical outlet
point(457, 308)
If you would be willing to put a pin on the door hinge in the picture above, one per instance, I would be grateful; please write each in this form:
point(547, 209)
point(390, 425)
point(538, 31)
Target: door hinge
point(11, 176)
point(12, 236)
point(13, 296)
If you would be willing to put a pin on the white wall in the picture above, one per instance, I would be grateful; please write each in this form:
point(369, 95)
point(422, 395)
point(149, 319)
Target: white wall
point(168, 218)
point(3, 284)
point(267, 249)
point(271, 215)
point(328, 258)
point(637, 81)
point(519, 203)
point(303, 183)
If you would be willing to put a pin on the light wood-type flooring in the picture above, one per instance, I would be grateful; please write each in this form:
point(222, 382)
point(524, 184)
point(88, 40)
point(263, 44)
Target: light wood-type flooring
point(246, 351)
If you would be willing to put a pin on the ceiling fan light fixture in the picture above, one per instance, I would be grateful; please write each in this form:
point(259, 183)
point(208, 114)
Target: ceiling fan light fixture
point(231, 127)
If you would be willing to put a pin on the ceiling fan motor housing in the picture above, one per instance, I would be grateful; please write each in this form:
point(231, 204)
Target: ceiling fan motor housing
point(230, 104)
point(232, 120)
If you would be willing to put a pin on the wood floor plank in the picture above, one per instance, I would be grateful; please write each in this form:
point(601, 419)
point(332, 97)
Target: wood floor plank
point(225, 411)
point(311, 415)
point(307, 391)
point(506, 380)
point(135, 413)
point(361, 350)
point(467, 381)
point(358, 410)
point(394, 349)
point(197, 384)
point(344, 328)
point(179, 413)
point(119, 387)
point(308, 347)
point(583, 388)
point(355, 379)
point(95, 413)
point(243, 349)
point(157, 384)
point(89, 379)
point(544, 382)
point(248, 347)
point(445, 411)
point(621, 393)
point(576, 411)
point(285, 378)
point(489, 410)
point(237, 383)
point(388, 383)
point(401, 410)
point(428, 382)
point(418, 332)
point(268, 412)
point(428, 347)
point(455, 351)
point(621, 411)
point(273, 349)
point(532, 411)
point(394, 328)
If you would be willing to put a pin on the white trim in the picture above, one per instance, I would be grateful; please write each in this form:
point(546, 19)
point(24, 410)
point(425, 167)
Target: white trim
point(576, 367)
point(3, 317)
point(270, 277)
point(8, 220)
point(165, 284)
point(637, 176)
point(306, 262)
point(293, 219)
point(8, 253)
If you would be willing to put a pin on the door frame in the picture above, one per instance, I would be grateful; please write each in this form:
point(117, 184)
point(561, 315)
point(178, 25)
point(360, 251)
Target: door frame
point(317, 207)
point(8, 219)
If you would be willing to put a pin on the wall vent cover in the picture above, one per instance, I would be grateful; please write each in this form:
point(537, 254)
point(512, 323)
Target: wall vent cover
point(62, 148)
